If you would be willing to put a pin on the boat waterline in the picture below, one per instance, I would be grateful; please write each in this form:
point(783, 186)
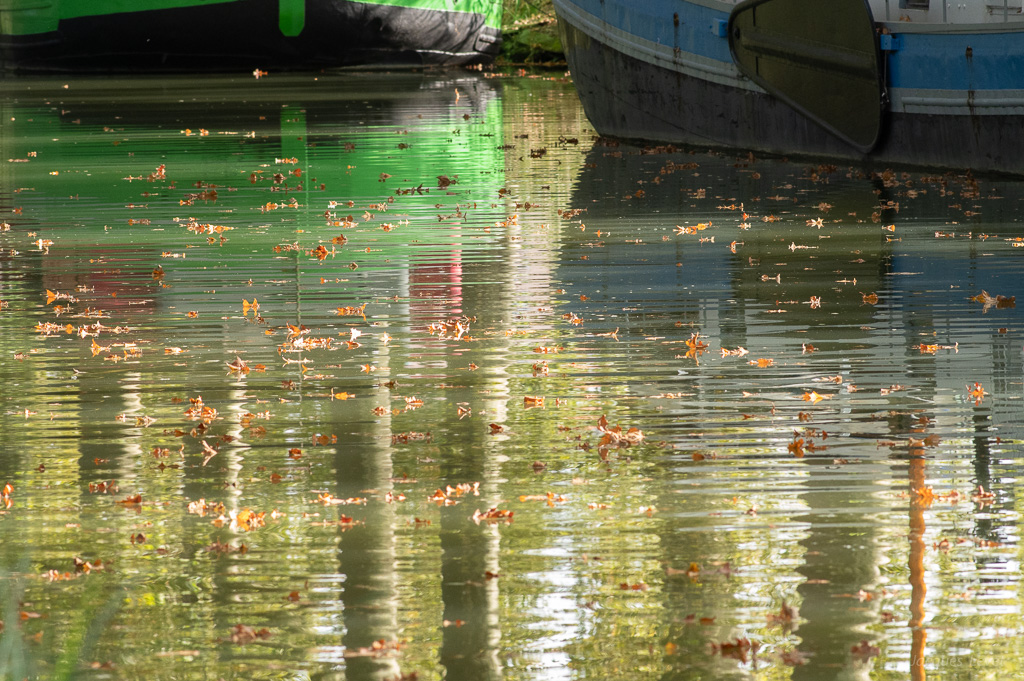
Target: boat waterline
point(664, 73)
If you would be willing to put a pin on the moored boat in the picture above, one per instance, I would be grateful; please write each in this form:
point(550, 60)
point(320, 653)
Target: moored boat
point(914, 82)
point(218, 35)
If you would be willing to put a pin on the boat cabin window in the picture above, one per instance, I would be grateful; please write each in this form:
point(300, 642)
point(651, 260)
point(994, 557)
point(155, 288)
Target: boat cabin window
point(914, 4)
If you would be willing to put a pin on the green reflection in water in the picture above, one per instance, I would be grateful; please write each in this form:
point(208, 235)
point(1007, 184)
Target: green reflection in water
point(480, 282)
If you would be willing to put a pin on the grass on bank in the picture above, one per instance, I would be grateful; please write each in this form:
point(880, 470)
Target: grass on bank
point(530, 34)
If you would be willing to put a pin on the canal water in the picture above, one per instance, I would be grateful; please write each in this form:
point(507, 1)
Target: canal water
point(409, 376)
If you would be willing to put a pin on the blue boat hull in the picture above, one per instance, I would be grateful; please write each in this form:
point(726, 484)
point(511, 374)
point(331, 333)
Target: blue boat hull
point(643, 87)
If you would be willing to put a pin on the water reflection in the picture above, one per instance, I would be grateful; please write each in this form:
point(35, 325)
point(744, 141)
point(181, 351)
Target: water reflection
point(447, 283)
point(843, 536)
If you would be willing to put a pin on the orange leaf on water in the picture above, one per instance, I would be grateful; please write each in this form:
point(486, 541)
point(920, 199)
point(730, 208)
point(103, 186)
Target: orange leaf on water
point(864, 651)
point(242, 634)
point(786, 615)
point(492, 514)
point(639, 586)
point(738, 649)
point(247, 520)
point(999, 302)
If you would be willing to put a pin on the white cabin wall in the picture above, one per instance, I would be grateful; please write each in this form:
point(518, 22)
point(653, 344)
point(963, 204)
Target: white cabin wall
point(955, 11)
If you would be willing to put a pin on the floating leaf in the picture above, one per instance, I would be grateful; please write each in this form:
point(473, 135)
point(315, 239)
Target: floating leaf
point(999, 302)
point(242, 634)
point(492, 514)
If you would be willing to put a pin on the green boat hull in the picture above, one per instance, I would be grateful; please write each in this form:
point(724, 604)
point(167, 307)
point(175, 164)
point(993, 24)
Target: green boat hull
point(205, 35)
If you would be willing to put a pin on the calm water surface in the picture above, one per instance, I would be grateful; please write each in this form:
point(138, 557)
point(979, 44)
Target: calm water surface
point(271, 351)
